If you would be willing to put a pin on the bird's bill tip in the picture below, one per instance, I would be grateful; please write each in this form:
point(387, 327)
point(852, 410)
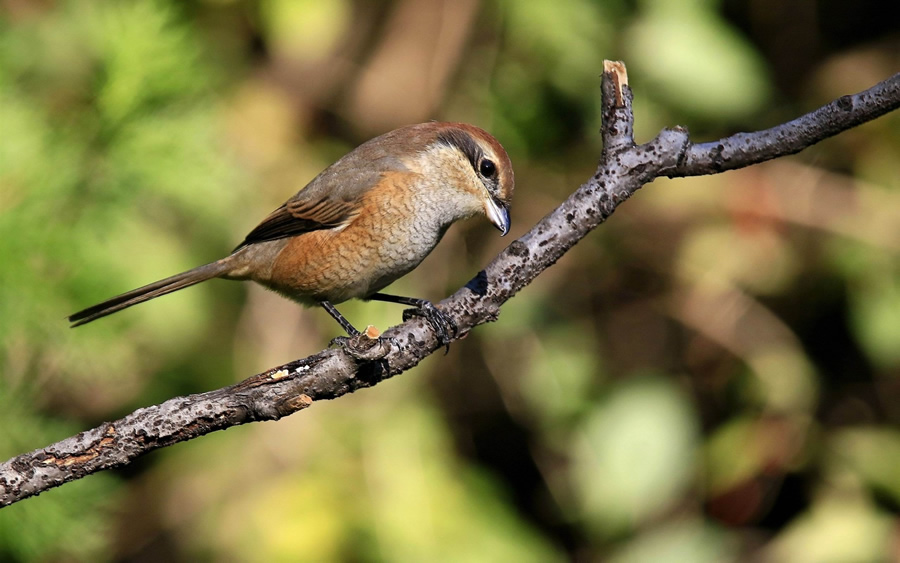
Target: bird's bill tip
point(498, 215)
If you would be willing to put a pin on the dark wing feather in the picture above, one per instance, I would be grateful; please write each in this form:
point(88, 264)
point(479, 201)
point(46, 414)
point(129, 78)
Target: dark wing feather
point(299, 216)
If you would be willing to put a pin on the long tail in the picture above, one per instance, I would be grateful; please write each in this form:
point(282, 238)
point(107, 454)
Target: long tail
point(152, 291)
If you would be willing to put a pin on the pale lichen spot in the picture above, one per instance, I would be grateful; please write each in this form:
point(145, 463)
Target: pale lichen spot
point(280, 374)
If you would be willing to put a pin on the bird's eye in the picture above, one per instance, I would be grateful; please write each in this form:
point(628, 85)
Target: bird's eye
point(487, 168)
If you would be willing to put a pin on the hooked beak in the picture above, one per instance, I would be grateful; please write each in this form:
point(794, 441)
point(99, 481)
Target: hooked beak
point(498, 214)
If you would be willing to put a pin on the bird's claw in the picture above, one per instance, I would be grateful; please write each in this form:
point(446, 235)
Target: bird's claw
point(366, 346)
point(445, 328)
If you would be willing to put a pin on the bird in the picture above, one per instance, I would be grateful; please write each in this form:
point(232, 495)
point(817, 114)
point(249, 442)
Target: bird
point(366, 220)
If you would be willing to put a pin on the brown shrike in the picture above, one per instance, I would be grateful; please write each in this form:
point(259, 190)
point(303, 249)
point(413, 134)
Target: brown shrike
point(366, 220)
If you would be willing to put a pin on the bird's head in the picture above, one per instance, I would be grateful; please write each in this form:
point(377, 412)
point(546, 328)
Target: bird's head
point(468, 166)
point(491, 180)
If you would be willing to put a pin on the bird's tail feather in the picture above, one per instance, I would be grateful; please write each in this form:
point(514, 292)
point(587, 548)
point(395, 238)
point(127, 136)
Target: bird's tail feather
point(151, 291)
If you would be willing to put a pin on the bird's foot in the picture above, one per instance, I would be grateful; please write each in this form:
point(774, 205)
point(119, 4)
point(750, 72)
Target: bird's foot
point(365, 346)
point(445, 328)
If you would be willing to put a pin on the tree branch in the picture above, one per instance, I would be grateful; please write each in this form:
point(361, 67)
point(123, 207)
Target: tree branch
point(744, 149)
point(623, 169)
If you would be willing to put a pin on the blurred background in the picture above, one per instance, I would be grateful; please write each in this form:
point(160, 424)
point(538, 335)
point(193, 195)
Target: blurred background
point(713, 375)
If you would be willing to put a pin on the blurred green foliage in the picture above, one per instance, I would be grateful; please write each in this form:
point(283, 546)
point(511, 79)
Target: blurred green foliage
point(712, 375)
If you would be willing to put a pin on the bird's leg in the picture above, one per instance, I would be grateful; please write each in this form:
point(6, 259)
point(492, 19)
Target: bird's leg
point(444, 326)
point(360, 345)
point(345, 324)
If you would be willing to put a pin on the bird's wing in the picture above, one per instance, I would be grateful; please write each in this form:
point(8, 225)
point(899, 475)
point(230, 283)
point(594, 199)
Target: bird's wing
point(334, 197)
point(301, 215)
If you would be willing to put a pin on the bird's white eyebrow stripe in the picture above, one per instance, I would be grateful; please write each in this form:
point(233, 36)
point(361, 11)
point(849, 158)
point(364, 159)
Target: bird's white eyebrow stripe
point(465, 143)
